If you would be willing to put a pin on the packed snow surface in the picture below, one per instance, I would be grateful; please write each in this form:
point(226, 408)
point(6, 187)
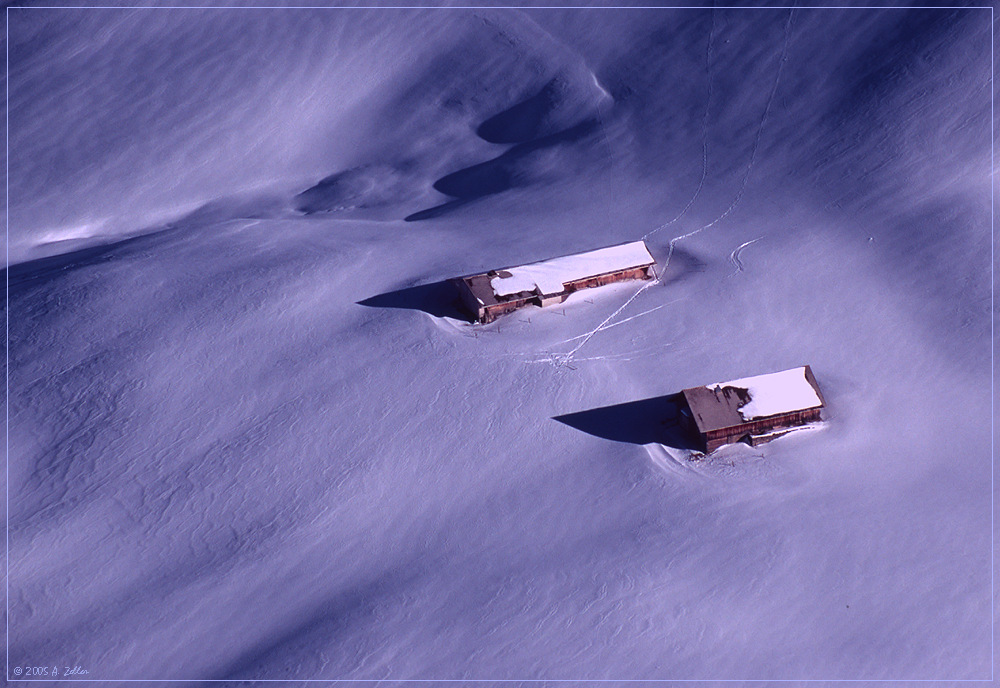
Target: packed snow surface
point(252, 437)
point(550, 276)
point(774, 393)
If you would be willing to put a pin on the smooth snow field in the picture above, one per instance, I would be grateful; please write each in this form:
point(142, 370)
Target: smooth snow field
point(251, 436)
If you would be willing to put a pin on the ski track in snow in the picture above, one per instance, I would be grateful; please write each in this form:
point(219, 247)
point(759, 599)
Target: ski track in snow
point(622, 322)
point(622, 357)
point(704, 135)
point(565, 358)
point(734, 257)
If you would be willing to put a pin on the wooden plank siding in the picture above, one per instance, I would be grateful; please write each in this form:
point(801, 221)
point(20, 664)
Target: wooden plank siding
point(493, 311)
point(640, 273)
point(716, 438)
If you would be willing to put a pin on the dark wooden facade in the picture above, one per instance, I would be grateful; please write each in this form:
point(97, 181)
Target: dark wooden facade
point(486, 307)
point(751, 431)
point(494, 311)
point(609, 278)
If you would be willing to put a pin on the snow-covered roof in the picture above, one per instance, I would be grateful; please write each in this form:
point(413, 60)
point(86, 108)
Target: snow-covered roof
point(732, 403)
point(774, 393)
point(550, 276)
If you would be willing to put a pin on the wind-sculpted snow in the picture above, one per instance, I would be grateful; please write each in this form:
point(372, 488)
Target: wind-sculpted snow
point(252, 437)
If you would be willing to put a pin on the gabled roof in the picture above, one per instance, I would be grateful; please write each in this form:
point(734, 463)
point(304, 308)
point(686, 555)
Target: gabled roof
point(551, 276)
point(733, 403)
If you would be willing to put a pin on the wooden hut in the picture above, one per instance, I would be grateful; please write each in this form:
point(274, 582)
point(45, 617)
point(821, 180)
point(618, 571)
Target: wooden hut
point(491, 294)
point(753, 409)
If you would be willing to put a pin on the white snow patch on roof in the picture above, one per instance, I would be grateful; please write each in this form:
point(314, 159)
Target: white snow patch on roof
point(775, 393)
point(550, 276)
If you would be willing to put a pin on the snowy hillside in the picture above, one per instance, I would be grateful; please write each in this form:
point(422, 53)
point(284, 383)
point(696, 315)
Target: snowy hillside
point(251, 436)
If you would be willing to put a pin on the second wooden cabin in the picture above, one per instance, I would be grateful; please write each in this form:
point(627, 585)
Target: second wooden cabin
point(752, 409)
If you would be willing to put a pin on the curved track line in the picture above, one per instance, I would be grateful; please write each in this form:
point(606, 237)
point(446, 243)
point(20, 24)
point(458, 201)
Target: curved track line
point(756, 144)
point(704, 134)
point(734, 257)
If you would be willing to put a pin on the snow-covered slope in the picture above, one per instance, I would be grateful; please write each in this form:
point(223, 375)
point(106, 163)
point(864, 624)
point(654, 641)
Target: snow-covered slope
point(250, 436)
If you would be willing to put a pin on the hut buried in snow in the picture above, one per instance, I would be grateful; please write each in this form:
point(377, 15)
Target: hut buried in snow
point(491, 294)
point(752, 409)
